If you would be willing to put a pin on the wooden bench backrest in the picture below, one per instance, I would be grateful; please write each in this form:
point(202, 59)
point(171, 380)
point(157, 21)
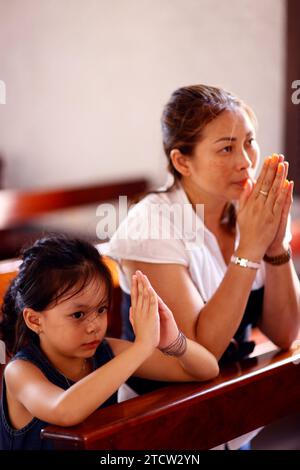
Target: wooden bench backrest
point(17, 207)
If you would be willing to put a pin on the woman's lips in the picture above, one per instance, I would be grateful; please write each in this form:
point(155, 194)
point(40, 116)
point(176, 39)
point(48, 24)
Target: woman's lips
point(241, 182)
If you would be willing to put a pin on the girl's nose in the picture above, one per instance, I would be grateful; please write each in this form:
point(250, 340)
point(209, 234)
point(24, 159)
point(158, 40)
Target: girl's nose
point(93, 322)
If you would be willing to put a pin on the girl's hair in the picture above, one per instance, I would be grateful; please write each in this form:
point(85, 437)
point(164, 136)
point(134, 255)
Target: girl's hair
point(52, 268)
point(184, 117)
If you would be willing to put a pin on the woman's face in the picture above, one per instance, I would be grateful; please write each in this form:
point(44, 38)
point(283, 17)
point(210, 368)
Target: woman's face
point(226, 155)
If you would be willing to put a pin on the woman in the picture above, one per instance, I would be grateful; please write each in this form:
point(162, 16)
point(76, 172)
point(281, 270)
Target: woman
point(241, 274)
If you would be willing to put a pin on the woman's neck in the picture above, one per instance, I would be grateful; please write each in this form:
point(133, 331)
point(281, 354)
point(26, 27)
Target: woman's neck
point(213, 208)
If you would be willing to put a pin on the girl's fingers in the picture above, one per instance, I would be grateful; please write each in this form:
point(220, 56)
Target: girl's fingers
point(146, 280)
point(131, 317)
point(150, 301)
point(133, 291)
point(164, 311)
point(153, 301)
point(146, 301)
point(139, 304)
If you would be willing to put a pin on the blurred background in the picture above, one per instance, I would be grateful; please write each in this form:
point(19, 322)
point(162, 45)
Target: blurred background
point(86, 81)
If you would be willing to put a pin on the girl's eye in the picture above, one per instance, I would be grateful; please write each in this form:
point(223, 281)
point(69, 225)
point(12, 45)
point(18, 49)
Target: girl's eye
point(77, 315)
point(103, 309)
point(251, 141)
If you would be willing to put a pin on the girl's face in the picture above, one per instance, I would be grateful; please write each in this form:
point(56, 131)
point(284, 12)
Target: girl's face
point(76, 326)
point(226, 156)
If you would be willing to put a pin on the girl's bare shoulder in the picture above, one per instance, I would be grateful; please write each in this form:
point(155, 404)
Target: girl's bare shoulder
point(19, 370)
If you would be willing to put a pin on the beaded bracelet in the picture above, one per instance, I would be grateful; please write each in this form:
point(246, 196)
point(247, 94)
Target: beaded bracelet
point(177, 347)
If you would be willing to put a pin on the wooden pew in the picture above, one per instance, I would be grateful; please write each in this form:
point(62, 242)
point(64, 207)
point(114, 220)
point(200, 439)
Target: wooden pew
point(20, 210)
point(20, 206)
point(246, 395)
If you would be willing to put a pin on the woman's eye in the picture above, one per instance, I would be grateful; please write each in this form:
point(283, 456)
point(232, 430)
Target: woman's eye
point(251, 141)
point(77, 315)
point(227, 149)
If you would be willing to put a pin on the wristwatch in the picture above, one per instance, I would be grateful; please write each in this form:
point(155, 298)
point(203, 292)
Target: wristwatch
point(244, 262)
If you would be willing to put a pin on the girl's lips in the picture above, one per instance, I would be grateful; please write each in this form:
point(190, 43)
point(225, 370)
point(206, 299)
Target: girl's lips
point(91, 345)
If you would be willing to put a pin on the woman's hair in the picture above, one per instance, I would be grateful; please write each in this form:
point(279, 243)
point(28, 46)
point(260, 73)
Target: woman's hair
point(51, 268)
point(188, 111)
point(184, 117)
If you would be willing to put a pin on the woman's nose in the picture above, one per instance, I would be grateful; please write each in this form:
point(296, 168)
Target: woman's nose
point(244, 161)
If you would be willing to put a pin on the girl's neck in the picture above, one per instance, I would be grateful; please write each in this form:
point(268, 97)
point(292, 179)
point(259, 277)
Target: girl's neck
point(213, 207)
point(73, 368)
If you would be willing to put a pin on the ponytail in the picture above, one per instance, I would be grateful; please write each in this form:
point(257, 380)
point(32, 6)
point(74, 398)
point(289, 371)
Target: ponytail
point(13, 329)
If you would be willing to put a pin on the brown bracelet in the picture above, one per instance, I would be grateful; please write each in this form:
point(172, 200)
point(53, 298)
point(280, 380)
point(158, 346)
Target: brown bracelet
point(279, 259)
point(177, 347)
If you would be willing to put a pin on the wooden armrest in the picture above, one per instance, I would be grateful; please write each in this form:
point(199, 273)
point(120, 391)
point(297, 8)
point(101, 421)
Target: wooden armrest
point(245, 396)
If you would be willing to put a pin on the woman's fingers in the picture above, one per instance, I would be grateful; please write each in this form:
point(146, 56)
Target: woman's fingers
point(286, 170)
point(264, 184)
point(280, 158)
point(288, 201)
point(277, 184)
point(246, 193)
point(280, 200)
point(268, 180)
point(261, 177)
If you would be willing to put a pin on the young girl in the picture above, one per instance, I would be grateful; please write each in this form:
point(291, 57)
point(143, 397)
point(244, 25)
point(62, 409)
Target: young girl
point(54, 322)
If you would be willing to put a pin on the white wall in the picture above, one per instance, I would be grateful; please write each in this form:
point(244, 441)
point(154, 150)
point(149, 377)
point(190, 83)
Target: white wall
point(86, 79)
